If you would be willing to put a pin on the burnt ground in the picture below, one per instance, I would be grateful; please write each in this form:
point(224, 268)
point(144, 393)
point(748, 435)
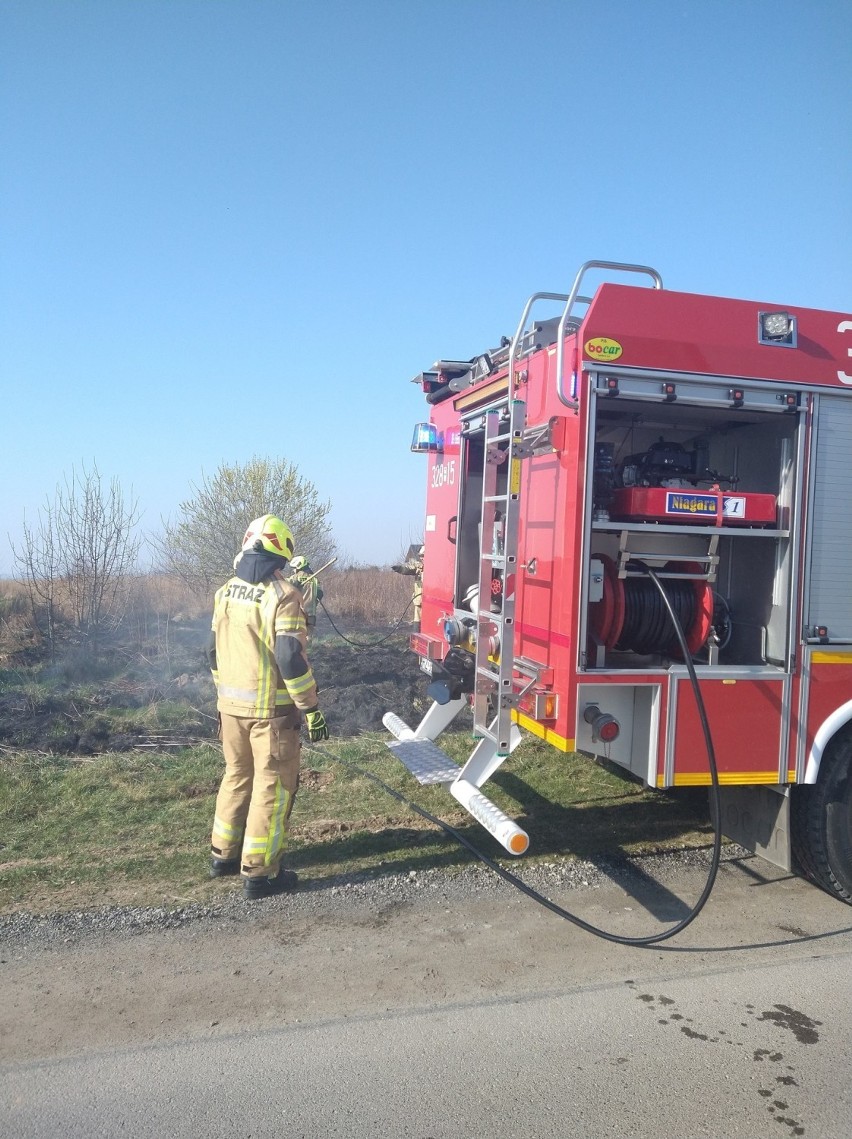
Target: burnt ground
point(162, 696)
point(357, 686)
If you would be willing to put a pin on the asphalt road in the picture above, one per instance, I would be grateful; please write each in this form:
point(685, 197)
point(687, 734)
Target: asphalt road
point(443, 1017)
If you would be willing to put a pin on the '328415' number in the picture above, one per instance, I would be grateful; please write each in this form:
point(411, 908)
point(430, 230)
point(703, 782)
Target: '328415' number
point(444, 474)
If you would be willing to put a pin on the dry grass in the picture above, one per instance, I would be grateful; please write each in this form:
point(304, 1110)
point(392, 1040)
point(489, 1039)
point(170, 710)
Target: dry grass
point(365, 595)
point(16, 625)
point(12, 592)
point(369, 596)
point(357, 595)
point(151, 602)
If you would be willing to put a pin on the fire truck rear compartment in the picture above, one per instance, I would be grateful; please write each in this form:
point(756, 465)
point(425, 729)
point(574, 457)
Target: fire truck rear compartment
point(703, 495)
point(663, 439)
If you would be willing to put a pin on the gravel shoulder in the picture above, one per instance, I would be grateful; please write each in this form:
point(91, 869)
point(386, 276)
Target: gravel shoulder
point(118, 977)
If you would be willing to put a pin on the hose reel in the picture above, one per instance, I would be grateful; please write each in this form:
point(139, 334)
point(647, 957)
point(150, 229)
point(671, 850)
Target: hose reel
point(632, 617)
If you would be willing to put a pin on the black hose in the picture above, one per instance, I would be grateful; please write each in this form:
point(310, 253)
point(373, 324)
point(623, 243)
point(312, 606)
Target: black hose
point(513, 880)
point(647, 627)
point(366, 644)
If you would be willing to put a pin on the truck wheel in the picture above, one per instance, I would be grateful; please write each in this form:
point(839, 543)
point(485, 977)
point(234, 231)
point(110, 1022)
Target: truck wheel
point(821, 821)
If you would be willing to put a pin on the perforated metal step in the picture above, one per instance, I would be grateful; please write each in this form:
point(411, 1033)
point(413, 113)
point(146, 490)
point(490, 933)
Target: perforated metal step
point(425, 760)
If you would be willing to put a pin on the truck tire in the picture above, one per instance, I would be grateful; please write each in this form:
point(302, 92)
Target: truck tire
point(821, 824)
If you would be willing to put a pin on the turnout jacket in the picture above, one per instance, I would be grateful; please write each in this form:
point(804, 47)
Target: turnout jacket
point(309, 587)
point(257, 645)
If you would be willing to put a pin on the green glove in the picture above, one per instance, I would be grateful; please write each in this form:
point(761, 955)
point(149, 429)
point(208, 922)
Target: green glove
point(317, 727)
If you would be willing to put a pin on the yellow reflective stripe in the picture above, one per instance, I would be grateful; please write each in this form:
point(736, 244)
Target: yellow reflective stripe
point(264, 681)
point(286, 623)
point(266, 673)
point(282, 696)
point(271, 845)
point(546, 734)
point(276, 836)
point(300, 684)
point(732, 778)
point(225, 829)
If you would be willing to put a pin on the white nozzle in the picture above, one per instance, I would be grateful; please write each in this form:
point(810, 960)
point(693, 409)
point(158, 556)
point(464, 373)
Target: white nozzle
point(489, 815)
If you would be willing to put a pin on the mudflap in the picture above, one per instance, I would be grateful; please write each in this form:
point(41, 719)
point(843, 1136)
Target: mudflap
point(758, 818)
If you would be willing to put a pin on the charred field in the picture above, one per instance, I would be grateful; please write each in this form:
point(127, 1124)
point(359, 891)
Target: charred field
point(161, 695)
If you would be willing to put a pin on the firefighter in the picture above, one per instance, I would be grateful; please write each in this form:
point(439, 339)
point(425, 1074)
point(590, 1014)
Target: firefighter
point(265, 686)
point(413, 567)
point(305, 579)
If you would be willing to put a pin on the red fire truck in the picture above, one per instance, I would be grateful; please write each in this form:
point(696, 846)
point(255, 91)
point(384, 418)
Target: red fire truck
point(640, 433)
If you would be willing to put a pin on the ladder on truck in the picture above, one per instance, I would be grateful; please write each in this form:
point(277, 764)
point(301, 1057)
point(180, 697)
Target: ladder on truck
point(494, 695)
point(501, 679)
point(505, 446)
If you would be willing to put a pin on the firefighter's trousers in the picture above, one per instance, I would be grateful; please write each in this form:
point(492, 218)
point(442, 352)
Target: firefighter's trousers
point(417, 598)
point(257, 791)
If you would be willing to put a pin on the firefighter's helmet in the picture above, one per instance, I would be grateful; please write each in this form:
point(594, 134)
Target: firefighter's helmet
point(271, 534)
point(300, 562)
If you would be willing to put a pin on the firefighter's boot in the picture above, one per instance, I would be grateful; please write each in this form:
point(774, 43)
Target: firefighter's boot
point(221, 867)
point(257, 887)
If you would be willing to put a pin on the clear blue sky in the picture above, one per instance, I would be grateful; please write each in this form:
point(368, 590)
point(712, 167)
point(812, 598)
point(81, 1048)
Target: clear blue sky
point(239, 227)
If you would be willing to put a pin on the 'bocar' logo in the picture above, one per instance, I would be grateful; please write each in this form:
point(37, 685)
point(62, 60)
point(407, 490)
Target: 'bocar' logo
point(602, 348)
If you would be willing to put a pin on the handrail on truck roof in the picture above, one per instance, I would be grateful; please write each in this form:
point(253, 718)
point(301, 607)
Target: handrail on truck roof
point(618, 266)
point(516, 339)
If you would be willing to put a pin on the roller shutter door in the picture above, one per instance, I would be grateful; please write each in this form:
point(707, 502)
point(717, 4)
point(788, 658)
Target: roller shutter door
point(829, 557)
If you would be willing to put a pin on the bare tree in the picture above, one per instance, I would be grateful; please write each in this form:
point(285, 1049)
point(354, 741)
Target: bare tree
point(200, 545)
point(37, 565)
point(84, 546)
point(100, 548)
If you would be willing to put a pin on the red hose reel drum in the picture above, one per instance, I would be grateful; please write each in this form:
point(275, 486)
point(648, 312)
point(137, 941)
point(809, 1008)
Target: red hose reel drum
point(702, 622)
point(607, 616)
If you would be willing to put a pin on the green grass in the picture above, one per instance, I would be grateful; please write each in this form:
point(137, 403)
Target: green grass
point(135, 827)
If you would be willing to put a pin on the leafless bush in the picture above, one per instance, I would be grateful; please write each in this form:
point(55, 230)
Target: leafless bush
point(78, 554)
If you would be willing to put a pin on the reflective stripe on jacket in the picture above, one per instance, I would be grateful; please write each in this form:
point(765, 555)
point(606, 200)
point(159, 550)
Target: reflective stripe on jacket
point(246, 621)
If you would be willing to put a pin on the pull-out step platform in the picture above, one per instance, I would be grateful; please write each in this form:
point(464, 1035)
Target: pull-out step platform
point(429, 764)
point(425, 760)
